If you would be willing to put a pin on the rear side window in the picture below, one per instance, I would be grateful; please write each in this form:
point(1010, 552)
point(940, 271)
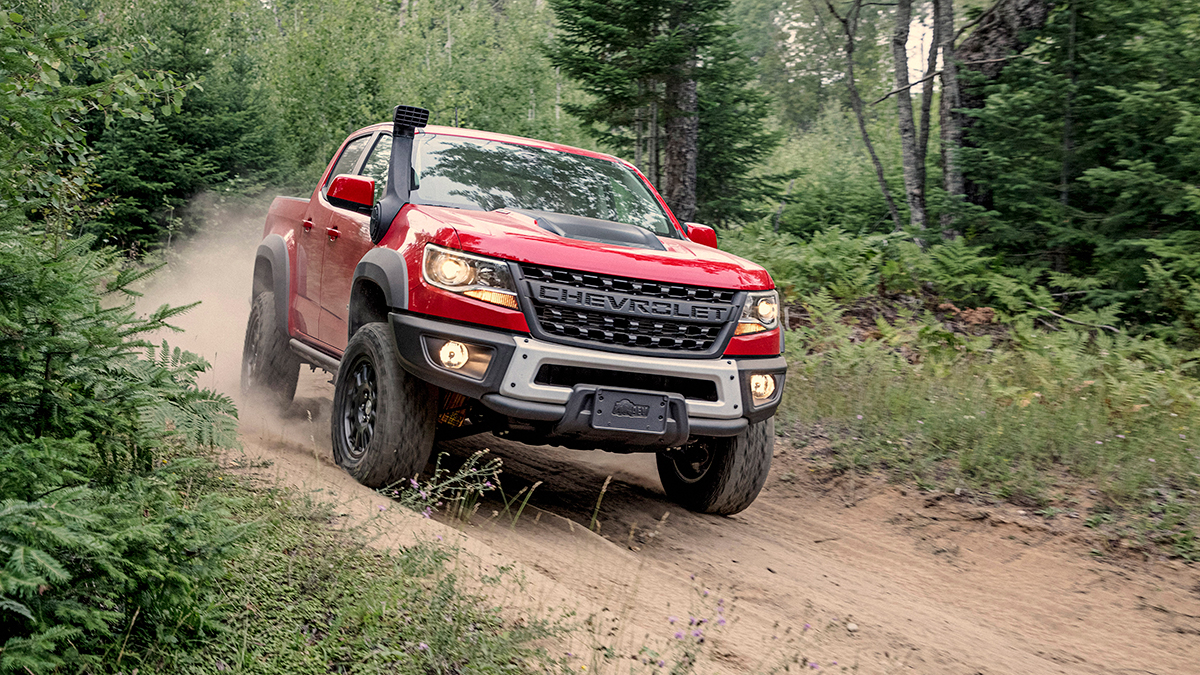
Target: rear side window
point(376, 167)
point(348, 160)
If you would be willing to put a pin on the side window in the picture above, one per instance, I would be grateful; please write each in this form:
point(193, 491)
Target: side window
point(348, 160)
point(377, 164)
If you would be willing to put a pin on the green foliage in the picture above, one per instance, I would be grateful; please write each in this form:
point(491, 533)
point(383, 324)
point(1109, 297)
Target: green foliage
point(1085, 156)
point(50, 77)
point(1024, 422)
point(307, 599)
point(623, 53)
point(95, 537)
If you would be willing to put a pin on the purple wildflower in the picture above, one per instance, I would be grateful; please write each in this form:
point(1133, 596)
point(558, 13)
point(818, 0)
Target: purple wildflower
point(382, 507)
point(721, 621)
point(428, 512)
point(691, 621)
point(661, 663)
point(1120, 435)
point(423, 494)
point(423, 647)
point(678, 635)
point(1151, 459)
point(813, 665)
point(860, 417)
point(487, 484)
point(413, 482)
point(706, 592)
point(697, 633)
point(671, 619)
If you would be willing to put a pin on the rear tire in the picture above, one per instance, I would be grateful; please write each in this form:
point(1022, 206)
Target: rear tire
point(270, 369)
point(719, 475)
point(383, 418)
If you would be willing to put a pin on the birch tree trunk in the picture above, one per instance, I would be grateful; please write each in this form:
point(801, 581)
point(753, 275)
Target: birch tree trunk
point(927, 102)
point(849, 29)
point(914, 187)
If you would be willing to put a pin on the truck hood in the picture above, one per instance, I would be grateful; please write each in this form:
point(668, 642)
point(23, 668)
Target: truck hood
point(516, 236)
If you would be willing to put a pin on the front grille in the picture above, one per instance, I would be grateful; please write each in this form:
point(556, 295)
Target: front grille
point(625, 331)
point(649, 289)
point(569, 376)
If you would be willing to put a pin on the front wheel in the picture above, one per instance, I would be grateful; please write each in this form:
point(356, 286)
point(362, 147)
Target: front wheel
point(719, 475)
point(383, 418)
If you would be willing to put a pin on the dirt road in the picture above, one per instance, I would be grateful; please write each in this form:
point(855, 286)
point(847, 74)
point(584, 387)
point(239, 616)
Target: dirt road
point(848, 575)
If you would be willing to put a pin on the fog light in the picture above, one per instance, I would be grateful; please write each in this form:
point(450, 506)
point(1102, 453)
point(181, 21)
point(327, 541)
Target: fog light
point(455, 355)
point(762, 386)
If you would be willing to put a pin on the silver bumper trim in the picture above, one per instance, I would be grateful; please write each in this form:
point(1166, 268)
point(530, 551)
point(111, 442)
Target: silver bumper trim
point(531, 354)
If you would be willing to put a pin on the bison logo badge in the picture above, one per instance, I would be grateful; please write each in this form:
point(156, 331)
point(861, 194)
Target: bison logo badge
point(627, 408)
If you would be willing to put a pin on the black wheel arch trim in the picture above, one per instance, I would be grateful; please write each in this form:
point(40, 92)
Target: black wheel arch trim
point(387, 269)
point(273, 250)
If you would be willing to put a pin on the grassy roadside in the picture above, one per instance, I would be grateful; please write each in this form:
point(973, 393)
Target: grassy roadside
point(1071, 424)
point(301, 597)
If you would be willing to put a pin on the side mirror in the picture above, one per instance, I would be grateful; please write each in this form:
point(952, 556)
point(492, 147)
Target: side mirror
point(701, 234)
point(356, 193)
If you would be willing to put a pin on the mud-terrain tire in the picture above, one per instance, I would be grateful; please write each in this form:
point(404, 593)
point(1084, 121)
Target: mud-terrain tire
point(383, 418)
point(720, 475)
point(270, 369)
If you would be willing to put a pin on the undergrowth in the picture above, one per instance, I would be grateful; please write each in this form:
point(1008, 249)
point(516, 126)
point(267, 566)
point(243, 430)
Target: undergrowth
point(939, 365)
point(304, 598)
point(1038, 418)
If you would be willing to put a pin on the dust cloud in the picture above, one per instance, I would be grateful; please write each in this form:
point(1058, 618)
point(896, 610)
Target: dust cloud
point(216, 268)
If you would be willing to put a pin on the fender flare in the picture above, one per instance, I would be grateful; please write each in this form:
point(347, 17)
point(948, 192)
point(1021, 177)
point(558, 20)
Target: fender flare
point(273, 251)
point(387, 269)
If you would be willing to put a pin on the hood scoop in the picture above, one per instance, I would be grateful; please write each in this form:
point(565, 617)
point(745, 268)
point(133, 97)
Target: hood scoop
point(594, 229)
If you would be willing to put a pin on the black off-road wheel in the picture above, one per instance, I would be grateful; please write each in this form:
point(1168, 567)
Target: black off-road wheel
point(383, 418)
point(719, 475)
point(270, 369)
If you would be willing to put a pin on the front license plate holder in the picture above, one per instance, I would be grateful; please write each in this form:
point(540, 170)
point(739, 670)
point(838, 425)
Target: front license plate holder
point(625, 410)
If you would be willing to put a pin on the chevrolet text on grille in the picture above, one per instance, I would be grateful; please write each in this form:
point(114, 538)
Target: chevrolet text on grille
point(620, 303)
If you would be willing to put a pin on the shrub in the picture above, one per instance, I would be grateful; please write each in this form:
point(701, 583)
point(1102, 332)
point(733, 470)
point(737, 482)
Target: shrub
point(100, 549)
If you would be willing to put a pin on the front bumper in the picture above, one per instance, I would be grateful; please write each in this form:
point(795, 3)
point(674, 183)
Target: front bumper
point(707, 397)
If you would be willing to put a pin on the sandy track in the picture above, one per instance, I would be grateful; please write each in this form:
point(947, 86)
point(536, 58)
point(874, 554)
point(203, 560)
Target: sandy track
point(931, 586)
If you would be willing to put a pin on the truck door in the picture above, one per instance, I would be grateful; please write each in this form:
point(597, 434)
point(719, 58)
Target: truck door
point(311, 240)
point(346, 243)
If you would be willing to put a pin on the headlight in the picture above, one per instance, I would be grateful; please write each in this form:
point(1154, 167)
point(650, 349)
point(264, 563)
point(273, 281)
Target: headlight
point(481, 278)
point(760, 313)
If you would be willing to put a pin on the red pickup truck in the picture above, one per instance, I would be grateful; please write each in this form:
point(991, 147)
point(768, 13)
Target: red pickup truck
point(458, 282)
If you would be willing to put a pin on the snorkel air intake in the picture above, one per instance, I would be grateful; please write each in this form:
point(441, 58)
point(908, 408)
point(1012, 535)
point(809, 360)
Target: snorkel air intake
point(406, 119)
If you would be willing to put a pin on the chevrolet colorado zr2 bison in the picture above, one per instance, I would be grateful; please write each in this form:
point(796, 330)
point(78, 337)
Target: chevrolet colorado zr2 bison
point(457, 282)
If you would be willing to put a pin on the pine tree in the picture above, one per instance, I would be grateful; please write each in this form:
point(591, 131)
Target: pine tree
point(150, 169)
point(649, 67)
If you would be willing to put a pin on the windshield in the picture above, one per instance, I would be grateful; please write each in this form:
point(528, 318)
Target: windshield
point(469, 173)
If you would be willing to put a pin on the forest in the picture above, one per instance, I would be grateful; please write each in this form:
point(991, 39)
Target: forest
point(983, 215)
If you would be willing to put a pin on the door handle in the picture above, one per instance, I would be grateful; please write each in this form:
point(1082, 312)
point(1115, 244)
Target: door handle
point(333, 233)
point(308, 225)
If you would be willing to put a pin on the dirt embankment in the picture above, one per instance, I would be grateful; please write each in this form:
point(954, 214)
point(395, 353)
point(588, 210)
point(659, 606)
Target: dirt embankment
point(850, 574)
